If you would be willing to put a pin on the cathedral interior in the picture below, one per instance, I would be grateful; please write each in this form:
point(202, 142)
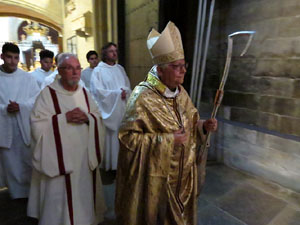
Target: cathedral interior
point(253, 166)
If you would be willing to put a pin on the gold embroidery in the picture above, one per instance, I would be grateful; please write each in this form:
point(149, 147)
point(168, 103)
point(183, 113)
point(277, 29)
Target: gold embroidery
point(170, 57)
point(156, 83)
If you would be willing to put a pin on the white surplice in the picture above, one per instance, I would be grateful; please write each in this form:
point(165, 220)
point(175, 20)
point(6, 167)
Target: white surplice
point(49, 79)
point(86, 75)
point(15, 153)
point(49, 199)
point(40, 75)
point(106, 84)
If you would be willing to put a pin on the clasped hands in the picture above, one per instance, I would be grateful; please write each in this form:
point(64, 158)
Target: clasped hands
point(182, 135)
point(123, 94)
point(13, 107)
point(76, 116)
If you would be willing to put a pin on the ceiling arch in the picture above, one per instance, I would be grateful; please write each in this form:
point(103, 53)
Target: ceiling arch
point(17, 10)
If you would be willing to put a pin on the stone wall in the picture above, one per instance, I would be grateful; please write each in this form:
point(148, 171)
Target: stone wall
point(140, 17)
point(262, 91)
point(78, 23)
point(266, 155)
point(263, 88)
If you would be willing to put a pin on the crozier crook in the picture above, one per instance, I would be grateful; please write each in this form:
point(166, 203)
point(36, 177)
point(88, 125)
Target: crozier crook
point(220, 91)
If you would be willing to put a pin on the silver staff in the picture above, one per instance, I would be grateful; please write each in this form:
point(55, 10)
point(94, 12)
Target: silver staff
point(220, 91)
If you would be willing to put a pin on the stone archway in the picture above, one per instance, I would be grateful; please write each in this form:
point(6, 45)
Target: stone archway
point(42, 12)
point(33, 12)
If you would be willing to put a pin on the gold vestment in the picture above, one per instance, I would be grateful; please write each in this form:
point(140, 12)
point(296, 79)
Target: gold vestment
point(157, 182)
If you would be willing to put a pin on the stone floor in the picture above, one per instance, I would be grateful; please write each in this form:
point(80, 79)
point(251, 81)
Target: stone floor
point(229, 197)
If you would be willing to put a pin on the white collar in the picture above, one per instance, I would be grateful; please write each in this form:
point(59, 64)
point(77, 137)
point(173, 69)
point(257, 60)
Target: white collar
point(171, 94)
point(168, 93)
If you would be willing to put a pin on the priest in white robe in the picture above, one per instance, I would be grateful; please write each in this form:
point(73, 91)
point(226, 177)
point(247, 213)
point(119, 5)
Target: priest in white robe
point(51, 77)
point(111, 89)
point(86, 74)
point(67, 135)
point(18, 91)
point(46, 60)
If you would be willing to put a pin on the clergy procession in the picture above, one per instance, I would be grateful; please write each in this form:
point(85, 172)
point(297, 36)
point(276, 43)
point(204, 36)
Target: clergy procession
point(62, 129)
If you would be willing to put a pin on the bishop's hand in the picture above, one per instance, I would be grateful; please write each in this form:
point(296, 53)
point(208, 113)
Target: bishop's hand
point(180, 137)
point(210, 125)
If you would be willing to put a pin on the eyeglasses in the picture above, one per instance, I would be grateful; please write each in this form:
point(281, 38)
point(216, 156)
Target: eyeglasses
point(69, 68)
point(179, 67)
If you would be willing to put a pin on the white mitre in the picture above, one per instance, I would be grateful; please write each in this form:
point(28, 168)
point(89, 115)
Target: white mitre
point(167, 46)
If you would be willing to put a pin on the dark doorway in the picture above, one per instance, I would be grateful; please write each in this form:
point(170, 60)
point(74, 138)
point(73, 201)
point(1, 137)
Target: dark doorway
point(184, 15)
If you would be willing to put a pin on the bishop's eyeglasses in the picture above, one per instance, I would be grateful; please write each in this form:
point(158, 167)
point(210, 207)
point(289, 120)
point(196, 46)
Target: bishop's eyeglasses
point(179, 67)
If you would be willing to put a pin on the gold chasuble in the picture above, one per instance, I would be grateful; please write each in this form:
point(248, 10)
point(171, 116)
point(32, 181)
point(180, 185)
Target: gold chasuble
point(157, 182)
